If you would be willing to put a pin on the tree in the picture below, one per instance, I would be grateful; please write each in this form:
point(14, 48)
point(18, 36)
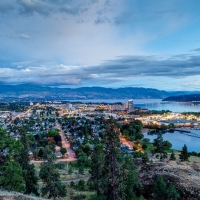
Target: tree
point(81, 170)
point(11, 177)
point(113, 172)
point(130, 178)
point(97, 169)
point(159, 146)
point(161, 192)
point(184, 154)
point(29, 172)
point(63, 151)
point(172, 194)
point(172, 156)
point(52, 186)
point(81, 185)
point(160, 189)
point(10, 171)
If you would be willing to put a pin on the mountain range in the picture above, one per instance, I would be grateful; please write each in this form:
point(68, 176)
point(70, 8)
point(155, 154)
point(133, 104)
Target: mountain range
point(35, 92)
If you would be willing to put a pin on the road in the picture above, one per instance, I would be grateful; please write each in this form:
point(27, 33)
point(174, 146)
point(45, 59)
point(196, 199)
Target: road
point(65, 144)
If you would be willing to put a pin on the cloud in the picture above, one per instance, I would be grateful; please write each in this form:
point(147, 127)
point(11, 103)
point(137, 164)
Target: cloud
point(23, 36)
point(198, 49)
point(30, 7)
point(120, 70)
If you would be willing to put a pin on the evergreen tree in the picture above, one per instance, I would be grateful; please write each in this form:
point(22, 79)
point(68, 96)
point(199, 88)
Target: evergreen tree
point(130, 178)
point(10, 172)
point(113, 163)
point(161, 192)
point(172, 156)
point(11, 177)
point(160, 189)
point(52, 186)
point(184, 154)
point(172, 194)
point(29, 172)
point(97, 169)
point(159, 146)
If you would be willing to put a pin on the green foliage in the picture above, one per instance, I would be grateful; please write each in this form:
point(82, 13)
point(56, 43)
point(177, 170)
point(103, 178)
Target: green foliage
point(63, 151)
point(87, 148)
point(172, 156)
point(29, 172)
point(113, 174)
point(10, 172)
point(172, 194)
point(161, 192)
point(52, 133)
point(133, 131)
point(161, 146)
point(81, 170)
point(11, 177)
point(97, 169)
point(60, 165)
point(81, 185)
point(130, 178)
point(52, 186)
point(184, 154)
point(83, 159)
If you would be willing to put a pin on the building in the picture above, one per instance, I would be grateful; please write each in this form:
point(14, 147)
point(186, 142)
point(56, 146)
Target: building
point(130, 105)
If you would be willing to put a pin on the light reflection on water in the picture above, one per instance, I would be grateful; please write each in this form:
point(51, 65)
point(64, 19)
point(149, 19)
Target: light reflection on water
point(151, 104)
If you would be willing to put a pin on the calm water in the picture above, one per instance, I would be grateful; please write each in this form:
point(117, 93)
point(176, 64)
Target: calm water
point(178, 140)
point(151, 104)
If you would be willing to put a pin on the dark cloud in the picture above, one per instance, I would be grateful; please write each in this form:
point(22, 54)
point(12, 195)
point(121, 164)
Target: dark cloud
point(112, 71)
point(176, 66)
point(198, 49)
point(45, 7)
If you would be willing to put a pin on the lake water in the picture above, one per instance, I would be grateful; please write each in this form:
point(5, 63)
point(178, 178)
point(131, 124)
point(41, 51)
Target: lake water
point(178, 139)
point(151, 104)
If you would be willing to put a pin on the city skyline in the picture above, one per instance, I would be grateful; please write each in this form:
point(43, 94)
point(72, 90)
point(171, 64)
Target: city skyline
point(108, 43)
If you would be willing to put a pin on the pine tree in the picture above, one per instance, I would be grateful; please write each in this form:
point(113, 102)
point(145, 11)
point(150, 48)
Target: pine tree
point(29, 172)
point(160, 189)
point(97, 169)
point(159, 146)
point(52, 186)
point(172, 194)
point(184, 154)
point(161, 192)
point(172, 156)
point(11, 177)
point(113, 163)
point(10, 171)
point(130, 178)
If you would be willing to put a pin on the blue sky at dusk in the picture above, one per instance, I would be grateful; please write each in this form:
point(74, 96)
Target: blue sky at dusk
point(109, 43)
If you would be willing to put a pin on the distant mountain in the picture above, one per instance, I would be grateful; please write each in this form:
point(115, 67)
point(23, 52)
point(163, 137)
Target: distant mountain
point(184, 98)
point(33, 92)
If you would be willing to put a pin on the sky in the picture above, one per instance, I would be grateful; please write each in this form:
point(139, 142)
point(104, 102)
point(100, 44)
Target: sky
point(108, 43)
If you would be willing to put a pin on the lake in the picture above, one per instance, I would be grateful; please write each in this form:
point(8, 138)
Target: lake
point(151, 104)
point(178, 139)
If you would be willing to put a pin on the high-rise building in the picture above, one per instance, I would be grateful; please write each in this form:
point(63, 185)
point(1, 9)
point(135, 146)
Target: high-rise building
point(130, 105)
point(125, 105)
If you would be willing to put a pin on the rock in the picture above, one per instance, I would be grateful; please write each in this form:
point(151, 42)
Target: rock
point(186, 178)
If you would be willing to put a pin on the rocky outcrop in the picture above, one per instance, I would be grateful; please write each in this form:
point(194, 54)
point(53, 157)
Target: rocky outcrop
point(185, 176)
point(5, 195)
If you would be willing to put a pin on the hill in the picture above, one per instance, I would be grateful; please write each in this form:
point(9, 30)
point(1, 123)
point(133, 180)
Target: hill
point(184, 98)
point(34, 92)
